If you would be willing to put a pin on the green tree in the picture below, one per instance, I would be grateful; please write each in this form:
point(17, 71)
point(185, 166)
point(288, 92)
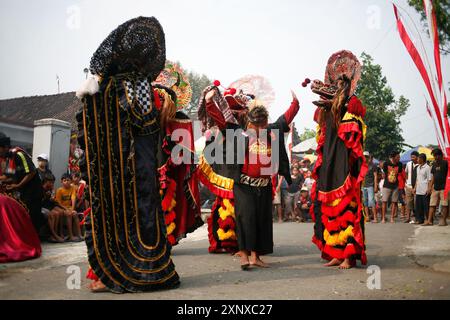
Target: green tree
point(442, 11)
point(307, 134)
point(384, 134)
point(198, 82)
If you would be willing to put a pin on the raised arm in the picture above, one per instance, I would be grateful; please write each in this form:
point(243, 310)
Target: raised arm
point(290, 114)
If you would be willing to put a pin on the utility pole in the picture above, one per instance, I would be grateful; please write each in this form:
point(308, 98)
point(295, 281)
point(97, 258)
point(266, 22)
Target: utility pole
point(57, 80)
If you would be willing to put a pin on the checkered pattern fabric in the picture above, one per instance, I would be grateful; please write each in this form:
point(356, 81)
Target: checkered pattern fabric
point(141, 92)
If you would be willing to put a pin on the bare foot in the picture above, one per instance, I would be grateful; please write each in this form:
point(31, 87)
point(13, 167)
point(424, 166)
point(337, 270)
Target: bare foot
point(98, 286)
point(238, 254)
point(333, 263)
point(392, 221)
point(259, 263)
point(443, 224)
point(346, 264)
point(280, 220)
point(383, 221)
point(375, 221)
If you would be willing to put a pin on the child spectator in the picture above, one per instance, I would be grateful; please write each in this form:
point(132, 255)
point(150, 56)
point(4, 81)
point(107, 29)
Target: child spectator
point(66, 197)
point(50, 208)
point(304, 203)
point(79, 187)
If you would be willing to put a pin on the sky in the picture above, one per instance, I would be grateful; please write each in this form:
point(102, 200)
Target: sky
point(285, 41)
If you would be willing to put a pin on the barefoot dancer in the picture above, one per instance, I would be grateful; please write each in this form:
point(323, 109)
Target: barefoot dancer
point(119, 130)
point(341, 166)
point(252, 188)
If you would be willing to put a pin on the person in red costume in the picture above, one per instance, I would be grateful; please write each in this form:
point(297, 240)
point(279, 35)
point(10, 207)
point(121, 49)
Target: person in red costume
point(264, 156)
point(18, 238)
point(341, 166)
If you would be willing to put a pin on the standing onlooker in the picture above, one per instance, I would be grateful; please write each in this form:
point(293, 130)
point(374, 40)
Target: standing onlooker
point(65, 196)
point(439, 172)
point(392, 171)
point(277, 198)
point(411, 176)
point(293, 193)
point(422, 189)
point(42, 167)
point(370, 187)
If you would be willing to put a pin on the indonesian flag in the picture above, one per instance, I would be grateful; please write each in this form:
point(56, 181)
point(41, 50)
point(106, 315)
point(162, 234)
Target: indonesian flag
point(438, 111)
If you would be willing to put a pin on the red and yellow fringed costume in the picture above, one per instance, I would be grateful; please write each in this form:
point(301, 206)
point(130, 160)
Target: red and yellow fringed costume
point(341, 166)
point(221, 222)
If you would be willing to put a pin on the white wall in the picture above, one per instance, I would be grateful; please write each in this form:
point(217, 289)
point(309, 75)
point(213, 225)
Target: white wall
point(52, 137)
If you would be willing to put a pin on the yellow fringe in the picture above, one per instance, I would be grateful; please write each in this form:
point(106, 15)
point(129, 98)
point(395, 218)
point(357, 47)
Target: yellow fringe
point(225, 213)
point(226, 235)
point(172, 205)
point(214, 178)
point(334, 203)
point(170, 228)
point(338, 239)
point(350, 116)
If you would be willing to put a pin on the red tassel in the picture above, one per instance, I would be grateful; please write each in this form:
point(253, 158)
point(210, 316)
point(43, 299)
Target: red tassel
point(217, 83)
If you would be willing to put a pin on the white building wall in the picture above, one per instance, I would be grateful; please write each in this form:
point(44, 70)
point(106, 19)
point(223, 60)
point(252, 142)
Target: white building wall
point(52, 137)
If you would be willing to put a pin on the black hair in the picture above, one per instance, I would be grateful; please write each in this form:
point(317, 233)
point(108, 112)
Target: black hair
point(48, 177)
point(5, 141)
point(423, 156)
point(437, 152)
point(66, 176)
point(394, 153)
point(415, 153)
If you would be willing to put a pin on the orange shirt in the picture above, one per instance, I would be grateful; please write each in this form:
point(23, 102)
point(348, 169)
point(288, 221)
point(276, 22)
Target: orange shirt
point(65, 197)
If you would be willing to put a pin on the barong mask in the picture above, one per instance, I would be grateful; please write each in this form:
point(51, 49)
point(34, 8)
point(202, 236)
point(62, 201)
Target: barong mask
point(341, 66)
point(230, 101)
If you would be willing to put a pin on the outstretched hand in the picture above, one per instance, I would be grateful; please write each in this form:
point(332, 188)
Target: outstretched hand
point(294, 96)
point(210, 95)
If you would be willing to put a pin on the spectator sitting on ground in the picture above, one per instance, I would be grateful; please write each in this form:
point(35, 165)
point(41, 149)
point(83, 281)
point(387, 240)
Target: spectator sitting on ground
point(66, 198)
point(51, 210)
point(79, 186)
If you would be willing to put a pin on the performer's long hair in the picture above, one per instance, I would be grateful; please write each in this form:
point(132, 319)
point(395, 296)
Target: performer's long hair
point(338, 103)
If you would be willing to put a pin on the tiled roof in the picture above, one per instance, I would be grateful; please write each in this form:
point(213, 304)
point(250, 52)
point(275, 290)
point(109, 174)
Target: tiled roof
point(26, 110)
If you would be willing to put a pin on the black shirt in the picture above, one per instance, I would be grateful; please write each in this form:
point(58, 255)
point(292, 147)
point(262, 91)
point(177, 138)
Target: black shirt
point(296, 184)
point(439, 172)
point(391, 172)
point(24, 166)
point(369, 180)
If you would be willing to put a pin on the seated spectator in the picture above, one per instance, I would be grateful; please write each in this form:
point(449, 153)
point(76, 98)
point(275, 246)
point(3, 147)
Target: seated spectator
point(51, 210)
point(79, 186)
point(66, 197)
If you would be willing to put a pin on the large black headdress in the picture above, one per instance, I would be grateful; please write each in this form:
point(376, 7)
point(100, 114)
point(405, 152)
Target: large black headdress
point(136, 46)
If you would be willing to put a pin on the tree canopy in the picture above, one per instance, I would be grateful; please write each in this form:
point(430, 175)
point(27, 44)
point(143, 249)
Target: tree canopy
point(384, 111)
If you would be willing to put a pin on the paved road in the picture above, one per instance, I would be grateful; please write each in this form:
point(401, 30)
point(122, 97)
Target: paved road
point(414, 263)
